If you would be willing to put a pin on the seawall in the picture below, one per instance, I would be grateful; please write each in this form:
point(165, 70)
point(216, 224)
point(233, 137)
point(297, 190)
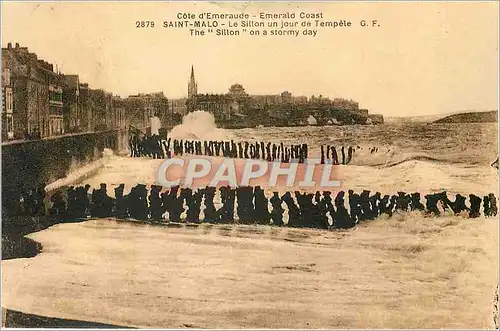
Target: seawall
point(29, 164)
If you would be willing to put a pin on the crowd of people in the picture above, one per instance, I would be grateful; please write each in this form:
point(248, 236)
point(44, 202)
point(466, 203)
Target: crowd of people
point(246, 205)
point(155, 147)
point(332, 157)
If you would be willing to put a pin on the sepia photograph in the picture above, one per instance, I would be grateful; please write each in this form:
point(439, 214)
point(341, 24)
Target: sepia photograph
point(250, 165)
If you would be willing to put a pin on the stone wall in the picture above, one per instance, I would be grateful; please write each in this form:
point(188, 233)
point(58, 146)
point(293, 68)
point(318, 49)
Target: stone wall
point(29, 164)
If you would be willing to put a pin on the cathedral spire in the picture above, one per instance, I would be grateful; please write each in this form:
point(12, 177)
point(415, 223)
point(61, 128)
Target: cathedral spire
point(192, 86)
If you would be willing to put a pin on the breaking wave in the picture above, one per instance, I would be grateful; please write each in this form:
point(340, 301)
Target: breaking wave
point(199, 125)
point(389, 157)
point(414, 158)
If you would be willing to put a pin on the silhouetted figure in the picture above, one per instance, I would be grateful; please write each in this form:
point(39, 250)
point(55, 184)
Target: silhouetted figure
point(175, 207)
point(274, 151)
point(475, 205)
point(277, 210)
point(385, 205)
point(245, 208)
point(245, 153)
point(445, 202)
point(327, 205)
point(210, 211)
point(493, 205)
point(415, 203)
point(364, 204)
point(223, 212)
point(261, 214)
point(240, 150)
point(95, 212)
point(354, 206)
point(459, 204)
point(486, 206)
point(306, 209)
point(293, 210)
point(58, 208)
point(335, 157)
point(226, 212)
point(230, 202)
point(349, 154)
point(155, 203)
point(392, 203)
point(102, 202)
point(39, 200)
point(166, 200)
point(319, 210)
point(375, 205)
point(130, 203)
point(402, 202)
point(431, 204)
point(288, 155)
point(72, 201)
point(193, 202)
point(87, 200)
point(137, 202)
point(81, 202)
point(120, 205)
point(342, 218)
point(252, 151)
point(131, 146)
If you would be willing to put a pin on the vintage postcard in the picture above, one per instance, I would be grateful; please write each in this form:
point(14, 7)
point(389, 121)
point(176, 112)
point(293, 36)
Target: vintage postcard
point(250, 165)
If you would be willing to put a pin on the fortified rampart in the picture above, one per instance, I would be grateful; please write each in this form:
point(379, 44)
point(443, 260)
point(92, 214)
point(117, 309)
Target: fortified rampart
point(31, 163)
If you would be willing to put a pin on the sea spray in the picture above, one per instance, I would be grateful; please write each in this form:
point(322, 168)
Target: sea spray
point(155, 125)
point(199, 125)
point(79, 172)
point(77, 176)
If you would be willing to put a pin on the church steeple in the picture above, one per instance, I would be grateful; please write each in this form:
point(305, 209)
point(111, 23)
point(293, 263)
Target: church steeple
point(192, 86)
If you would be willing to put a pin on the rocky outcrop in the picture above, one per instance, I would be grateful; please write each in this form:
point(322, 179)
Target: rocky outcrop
point(376, 118)
point(471, 117)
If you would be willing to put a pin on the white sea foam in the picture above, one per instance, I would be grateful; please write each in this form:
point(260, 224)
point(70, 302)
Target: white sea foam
point(78, 173)
point(199, 125)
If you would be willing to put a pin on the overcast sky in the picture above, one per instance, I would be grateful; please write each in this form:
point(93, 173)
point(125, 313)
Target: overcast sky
point(425, 58)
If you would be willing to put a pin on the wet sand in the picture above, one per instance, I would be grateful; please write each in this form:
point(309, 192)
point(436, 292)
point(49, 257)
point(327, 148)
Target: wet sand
point(406, 272)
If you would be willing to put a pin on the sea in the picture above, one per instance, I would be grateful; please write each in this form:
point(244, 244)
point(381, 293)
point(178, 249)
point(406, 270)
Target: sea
point(408, 271)
point(397, 156)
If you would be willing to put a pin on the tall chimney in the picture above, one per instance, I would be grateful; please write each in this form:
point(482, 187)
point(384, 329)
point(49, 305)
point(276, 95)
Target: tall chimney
point(9, 45)
point(17, 45)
